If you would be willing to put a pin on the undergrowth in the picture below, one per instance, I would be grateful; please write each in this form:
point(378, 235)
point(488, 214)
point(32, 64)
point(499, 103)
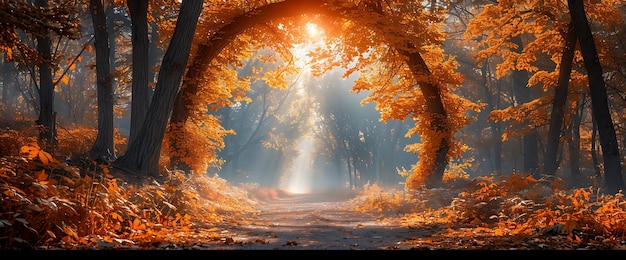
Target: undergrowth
point(47, 203)
point(508, 205)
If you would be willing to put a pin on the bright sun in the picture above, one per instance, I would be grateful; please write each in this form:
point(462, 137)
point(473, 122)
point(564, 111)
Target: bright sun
point(315, 38)
point(312, 31)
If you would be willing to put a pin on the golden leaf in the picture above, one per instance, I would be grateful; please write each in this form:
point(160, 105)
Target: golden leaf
point(44, 157)
point(65, 79)
point(41, 175)
point(29, 151)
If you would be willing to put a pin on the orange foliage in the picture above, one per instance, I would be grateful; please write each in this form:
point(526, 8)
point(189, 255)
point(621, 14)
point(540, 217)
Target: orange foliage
point(48, 203)
point(542, 25)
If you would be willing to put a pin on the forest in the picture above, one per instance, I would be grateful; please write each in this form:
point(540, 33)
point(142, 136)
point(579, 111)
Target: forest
point(155, 124)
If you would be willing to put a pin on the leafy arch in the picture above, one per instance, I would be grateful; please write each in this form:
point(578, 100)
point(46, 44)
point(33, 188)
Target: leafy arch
point(436, 147)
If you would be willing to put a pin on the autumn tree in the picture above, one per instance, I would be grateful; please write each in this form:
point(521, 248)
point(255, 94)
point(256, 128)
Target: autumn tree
point(600, 107)
point(399, 48)
point(545, 26)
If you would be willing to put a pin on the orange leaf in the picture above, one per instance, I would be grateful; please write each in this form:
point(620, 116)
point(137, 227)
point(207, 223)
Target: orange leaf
point(43, 157)
point(41, 175)
point(29, 151)
point(117, 217)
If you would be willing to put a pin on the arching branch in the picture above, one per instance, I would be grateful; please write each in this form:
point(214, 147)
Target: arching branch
point(290, 8)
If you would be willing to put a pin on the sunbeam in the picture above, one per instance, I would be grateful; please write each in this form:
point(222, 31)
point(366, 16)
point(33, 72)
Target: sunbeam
point(298, 176)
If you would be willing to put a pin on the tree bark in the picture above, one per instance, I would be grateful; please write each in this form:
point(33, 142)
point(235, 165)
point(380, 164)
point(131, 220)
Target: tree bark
point(47, 115)
point(103, 147)
point(439, 118)
point(140, 43)
point(599, 101)
point(558, 104)
point(142, 155)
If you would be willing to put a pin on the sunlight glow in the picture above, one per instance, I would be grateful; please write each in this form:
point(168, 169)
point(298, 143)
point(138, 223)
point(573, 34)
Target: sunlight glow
point(315, 39)
point(299, 175)
point(313, 31)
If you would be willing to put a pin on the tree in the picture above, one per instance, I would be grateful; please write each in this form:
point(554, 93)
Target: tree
point(142, 155)
point(545, 28)
point(599, 102)
point(103, 147)
point(558, 105)
point(42, 21)
point(47, 115)
point(140, 88)
point(435, 129)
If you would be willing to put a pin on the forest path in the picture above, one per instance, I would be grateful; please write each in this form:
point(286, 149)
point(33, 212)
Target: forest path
point(313, 222)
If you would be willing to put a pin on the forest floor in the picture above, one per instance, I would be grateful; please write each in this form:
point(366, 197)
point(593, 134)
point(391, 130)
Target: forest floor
point(329, 221)
point(77, 204)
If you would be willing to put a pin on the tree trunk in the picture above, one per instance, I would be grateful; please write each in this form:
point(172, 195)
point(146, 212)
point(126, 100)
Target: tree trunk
point(142, 156)
point(558, 104)
point(103, 147)
point(140, 89)
point(439, 118)
point(495, 126)
point(9, 93)
point(597, 171)
point(599, 100)
point(574, 143)
point(47, 115)
point(524, 95)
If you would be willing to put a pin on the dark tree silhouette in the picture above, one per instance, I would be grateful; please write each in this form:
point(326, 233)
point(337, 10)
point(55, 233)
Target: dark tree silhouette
point(599, 101)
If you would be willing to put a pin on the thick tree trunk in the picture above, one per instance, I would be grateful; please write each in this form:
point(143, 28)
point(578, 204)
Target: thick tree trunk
point(439, 118)
point(599, 101)
point(140, 89)
point(47, 115)
point(103, 147)
point(142, 155)
point(558, 103)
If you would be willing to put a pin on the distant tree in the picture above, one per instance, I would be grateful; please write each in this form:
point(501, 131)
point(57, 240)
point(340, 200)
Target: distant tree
point(40, 20)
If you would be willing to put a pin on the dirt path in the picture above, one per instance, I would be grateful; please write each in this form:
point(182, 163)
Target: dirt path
point(313, 222)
